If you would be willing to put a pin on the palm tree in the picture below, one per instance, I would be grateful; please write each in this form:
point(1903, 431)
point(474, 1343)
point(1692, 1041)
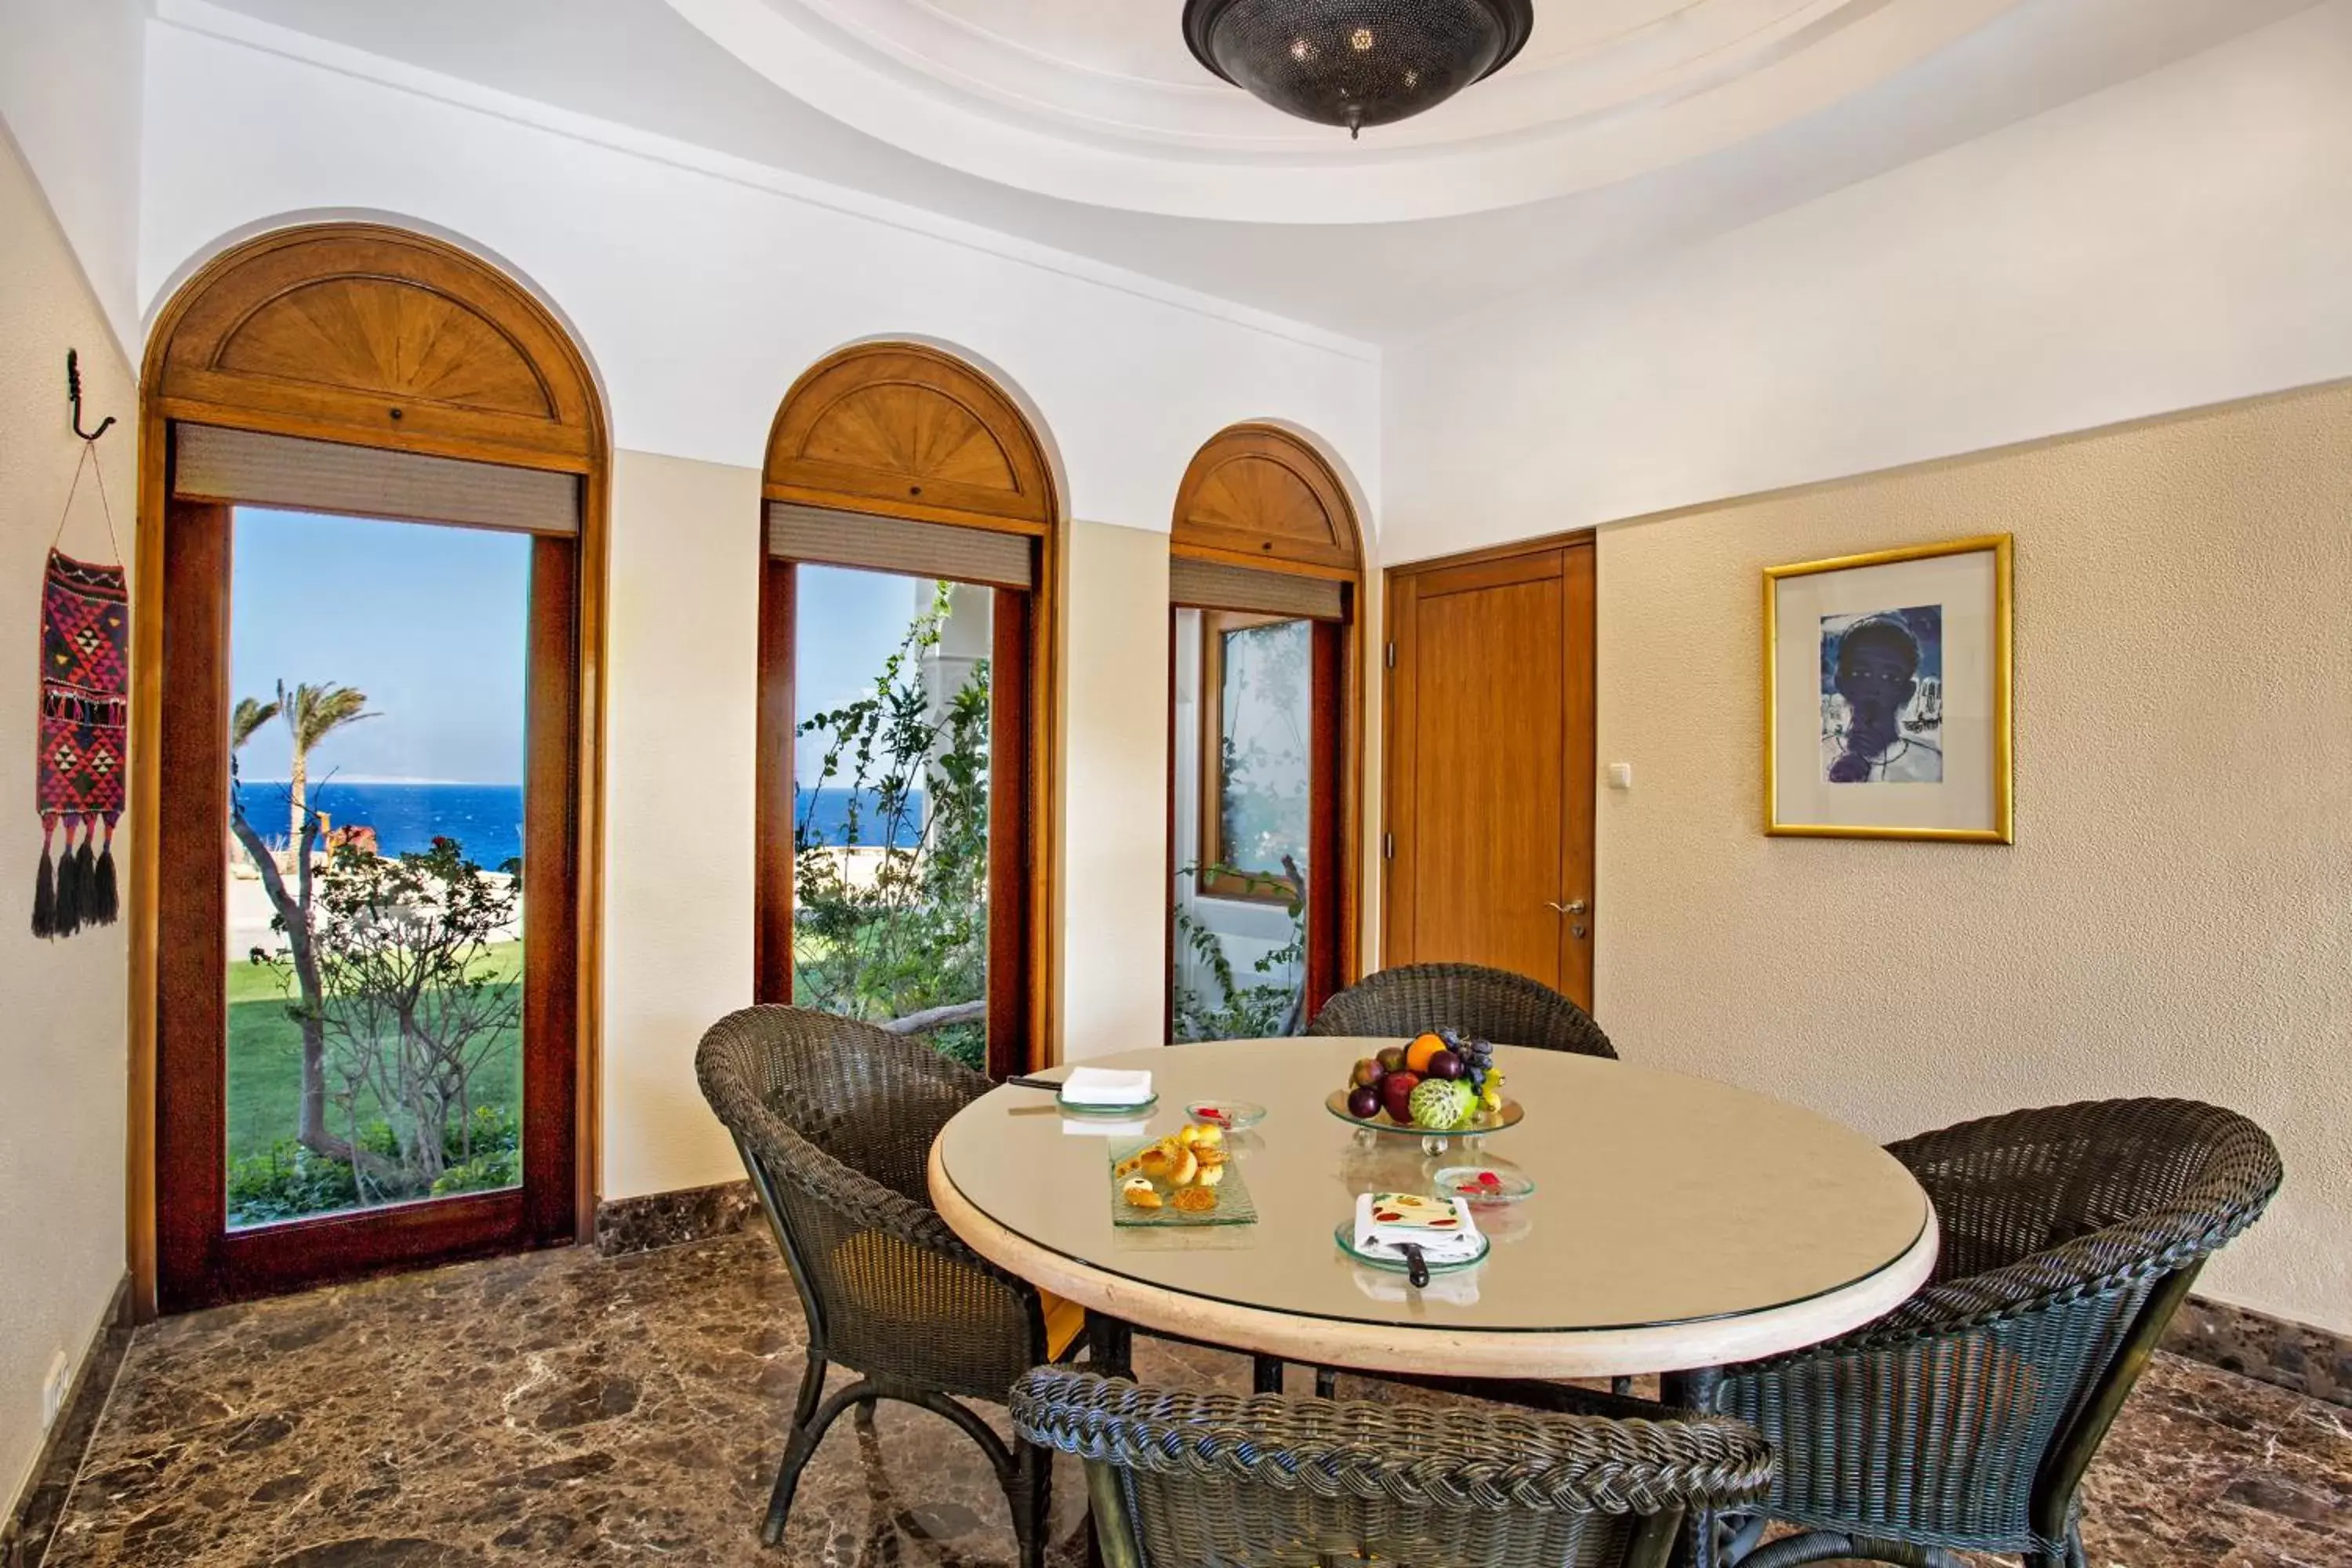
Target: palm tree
point(251, 714)
point(312, 712)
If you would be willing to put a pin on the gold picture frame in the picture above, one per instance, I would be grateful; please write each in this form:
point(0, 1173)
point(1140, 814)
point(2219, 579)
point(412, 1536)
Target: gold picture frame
point(1982, 790)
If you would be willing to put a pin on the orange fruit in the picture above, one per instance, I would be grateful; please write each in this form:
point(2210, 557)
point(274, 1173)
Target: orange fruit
point(1417, 1054)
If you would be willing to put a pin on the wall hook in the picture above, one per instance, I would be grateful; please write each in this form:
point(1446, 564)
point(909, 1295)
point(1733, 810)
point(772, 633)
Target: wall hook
point(73, 396)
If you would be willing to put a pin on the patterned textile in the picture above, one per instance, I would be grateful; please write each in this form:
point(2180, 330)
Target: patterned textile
point(84, 736)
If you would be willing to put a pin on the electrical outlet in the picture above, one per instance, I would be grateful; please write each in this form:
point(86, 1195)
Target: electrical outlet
point(53, 1388)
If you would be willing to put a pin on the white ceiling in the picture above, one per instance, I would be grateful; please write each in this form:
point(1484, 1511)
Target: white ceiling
point(1104, 104)
point(1639, 173)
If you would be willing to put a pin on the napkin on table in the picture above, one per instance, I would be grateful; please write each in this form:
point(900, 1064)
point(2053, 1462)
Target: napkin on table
point(1105, 1086)
point(1441, 1228)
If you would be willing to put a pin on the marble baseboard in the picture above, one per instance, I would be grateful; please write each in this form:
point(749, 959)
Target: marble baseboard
point(2294, 1356)
point(666, 1219)
point(25, 1533)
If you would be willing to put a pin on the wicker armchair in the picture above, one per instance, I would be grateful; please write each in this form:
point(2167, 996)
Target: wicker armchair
point(1963, 1420)
point(1492, 1004)
point(1178, 1479)
point(834, 1120)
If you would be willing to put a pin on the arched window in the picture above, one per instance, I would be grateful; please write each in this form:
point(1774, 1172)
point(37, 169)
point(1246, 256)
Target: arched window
point(371, 557)
point(1266, 579)
point(911, 528)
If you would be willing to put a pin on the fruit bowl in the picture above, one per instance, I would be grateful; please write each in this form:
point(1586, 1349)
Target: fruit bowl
point(1438, 1086)
point(1507, 1114)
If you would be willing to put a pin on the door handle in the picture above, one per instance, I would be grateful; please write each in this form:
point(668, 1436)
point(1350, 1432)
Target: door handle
point(1573, 907)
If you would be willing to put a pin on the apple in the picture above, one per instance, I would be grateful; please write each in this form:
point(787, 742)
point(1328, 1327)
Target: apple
point(1444, 1065)
point(1391, 1059)
point(1396, 1095)
point(1364, 1102)
point(1367, 1072)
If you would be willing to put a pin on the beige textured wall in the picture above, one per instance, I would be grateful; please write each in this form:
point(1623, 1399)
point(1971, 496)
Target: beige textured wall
point(2174, 918)
point(682, 682)
point(62, 1054)
point(1113, 873)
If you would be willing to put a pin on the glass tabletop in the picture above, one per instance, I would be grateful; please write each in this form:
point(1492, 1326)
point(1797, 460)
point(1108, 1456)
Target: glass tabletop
point(1660, 1199)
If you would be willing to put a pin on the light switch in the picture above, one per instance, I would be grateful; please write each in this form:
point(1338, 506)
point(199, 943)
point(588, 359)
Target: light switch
point(1621, 775)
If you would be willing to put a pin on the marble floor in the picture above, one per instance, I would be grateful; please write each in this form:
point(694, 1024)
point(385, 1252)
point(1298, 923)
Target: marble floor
point(568, 1408)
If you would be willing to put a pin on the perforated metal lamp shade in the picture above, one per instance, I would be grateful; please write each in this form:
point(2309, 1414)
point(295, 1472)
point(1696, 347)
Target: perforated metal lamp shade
point(1355, 62)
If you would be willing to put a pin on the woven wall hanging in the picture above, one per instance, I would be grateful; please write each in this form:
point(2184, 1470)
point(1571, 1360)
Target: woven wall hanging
point(85, 729)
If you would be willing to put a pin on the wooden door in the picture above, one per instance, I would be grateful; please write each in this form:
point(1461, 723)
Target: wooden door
point(236, 1222)
point(1490, 763)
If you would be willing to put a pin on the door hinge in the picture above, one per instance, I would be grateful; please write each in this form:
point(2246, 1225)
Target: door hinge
point(1388, 846)
point(1391, 656)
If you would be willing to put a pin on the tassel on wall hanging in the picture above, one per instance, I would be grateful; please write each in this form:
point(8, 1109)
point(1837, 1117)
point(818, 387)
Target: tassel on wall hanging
point(85, 723)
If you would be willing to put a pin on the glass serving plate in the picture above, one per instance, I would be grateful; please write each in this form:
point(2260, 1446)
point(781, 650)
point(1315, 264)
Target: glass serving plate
point(1235, 1206)
point(1434, 1139)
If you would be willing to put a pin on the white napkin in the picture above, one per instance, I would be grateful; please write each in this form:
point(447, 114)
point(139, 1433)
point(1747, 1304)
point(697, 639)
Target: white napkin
point(1105, 1086)
point(1376, 1238)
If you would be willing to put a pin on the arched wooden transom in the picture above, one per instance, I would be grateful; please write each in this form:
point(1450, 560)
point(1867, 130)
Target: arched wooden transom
point(1258, 494)
point(360, 333)
point(906, 430)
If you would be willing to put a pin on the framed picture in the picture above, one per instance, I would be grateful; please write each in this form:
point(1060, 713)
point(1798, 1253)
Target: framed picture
point(1887, 695)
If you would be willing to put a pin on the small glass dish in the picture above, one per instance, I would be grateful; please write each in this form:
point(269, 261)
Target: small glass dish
point(1233, 1115)
point(1135, 1113)
point(1396, 1262)
point(1482, 1185)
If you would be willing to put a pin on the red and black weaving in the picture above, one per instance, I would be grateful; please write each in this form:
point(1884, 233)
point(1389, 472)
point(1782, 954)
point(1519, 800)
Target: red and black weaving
point(84, 741)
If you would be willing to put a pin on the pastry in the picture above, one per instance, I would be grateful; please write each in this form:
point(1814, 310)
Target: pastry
point(1187, 1170)
point(1195, 1200)
point(1211, 1174)
point(1139, 1194)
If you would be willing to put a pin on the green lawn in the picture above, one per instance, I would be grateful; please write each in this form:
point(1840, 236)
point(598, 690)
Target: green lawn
point(264, 1058)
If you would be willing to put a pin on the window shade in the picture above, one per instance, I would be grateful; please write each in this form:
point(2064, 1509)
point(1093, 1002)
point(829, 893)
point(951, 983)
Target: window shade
point(820, 536)
point(1213, 585)
point(249, 468)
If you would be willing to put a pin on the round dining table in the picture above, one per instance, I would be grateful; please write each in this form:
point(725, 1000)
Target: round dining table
point(1675, 1222)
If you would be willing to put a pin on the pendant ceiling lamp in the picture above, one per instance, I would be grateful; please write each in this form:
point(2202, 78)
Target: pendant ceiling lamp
point(1355, 62)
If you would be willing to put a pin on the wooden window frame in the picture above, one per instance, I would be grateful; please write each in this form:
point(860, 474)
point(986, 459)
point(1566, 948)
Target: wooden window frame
point(802, 468)
point(542, 412)
point(1291, 514)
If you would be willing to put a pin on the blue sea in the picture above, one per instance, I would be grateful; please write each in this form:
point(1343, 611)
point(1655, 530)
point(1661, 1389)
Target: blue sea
point(487, 818)
point(828, 821)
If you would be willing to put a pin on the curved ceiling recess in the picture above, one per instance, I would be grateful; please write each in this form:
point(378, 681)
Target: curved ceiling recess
point(1106, 104)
